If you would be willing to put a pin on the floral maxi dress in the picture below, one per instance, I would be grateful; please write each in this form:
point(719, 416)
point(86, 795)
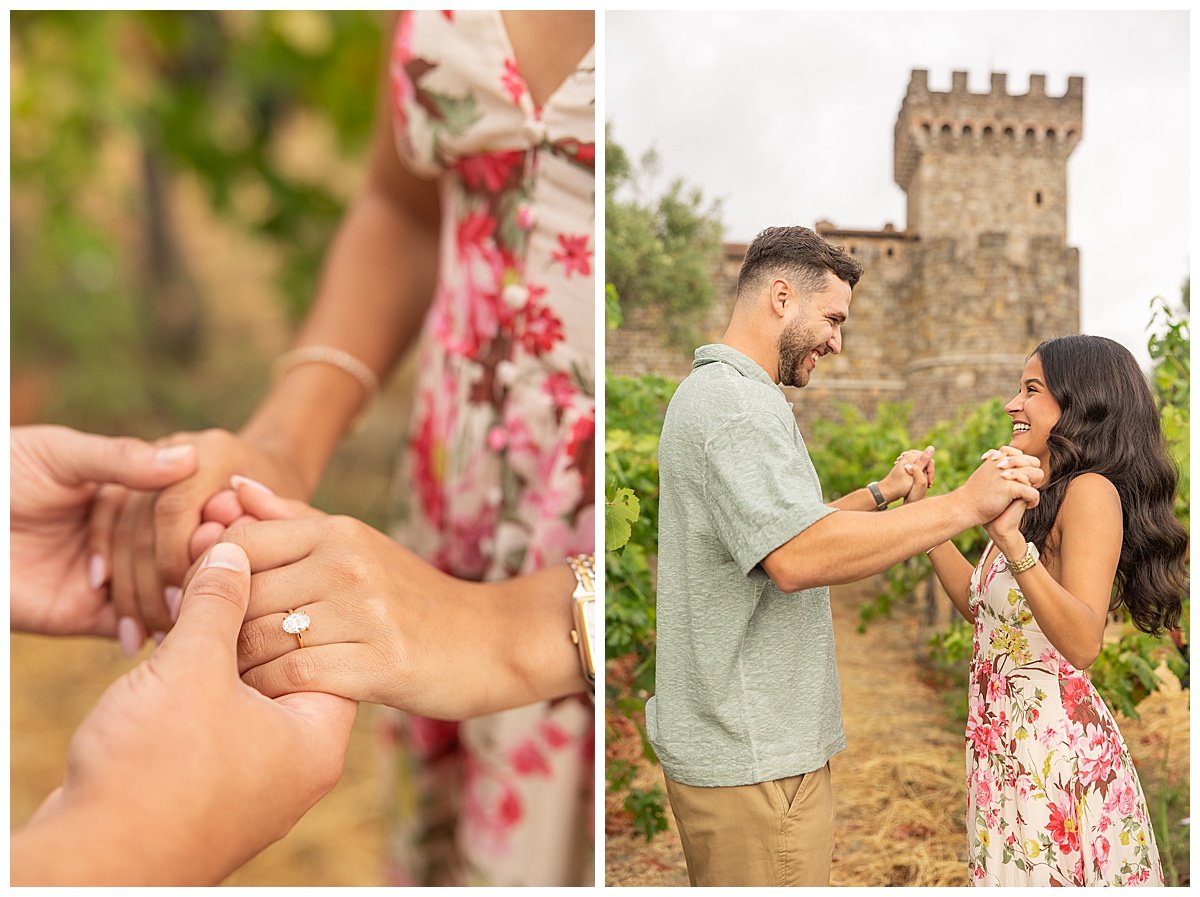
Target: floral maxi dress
point(497, 479)
point(1052, 795)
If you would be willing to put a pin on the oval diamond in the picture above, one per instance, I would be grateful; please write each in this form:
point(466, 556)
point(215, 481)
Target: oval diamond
point(296, 623)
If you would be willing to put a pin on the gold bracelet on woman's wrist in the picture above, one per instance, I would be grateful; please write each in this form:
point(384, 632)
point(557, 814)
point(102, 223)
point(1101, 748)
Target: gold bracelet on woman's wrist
point(584, 611)
point(1025, 563)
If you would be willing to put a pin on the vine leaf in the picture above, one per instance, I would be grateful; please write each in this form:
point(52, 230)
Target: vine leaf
point(621, 511)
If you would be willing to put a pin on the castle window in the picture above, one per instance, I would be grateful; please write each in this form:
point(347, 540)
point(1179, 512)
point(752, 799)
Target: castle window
point(1050, 135)
point(946, 129)
point(1070, 134)
point(925, 127)
point(967, 130)
point(1037, 197)
point(1030, 133)
point(854, 250)
point(890, 252)
point(1008, 132)
point(987, 131)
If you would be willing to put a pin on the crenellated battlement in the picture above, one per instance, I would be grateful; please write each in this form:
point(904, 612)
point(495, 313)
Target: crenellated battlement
point(992, 123)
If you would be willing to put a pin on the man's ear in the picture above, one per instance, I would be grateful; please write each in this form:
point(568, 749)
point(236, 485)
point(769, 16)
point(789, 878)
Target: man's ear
point(781, 294)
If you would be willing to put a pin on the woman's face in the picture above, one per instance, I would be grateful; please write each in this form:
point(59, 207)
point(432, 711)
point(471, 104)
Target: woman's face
point(1033, 411)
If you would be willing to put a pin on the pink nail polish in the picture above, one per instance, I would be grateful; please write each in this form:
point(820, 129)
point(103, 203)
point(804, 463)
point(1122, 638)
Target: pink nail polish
point(158, 637)
point(129, 636)
point(173, 595)
point(239, 480)
point(96, 571)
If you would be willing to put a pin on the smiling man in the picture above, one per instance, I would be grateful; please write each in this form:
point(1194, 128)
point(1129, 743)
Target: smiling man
point(747, 710)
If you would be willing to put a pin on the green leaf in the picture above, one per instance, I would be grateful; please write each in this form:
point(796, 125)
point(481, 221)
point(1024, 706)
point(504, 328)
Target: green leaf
point(620, 513)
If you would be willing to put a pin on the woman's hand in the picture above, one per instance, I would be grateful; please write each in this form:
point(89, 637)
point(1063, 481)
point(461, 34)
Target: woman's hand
point(181, 773)
point(56, 472)
point(388, 628)
point(912, 470)
point(142, 539)
point(1005, 529)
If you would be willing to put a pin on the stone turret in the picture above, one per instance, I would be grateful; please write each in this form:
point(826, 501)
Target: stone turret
point(973, 163)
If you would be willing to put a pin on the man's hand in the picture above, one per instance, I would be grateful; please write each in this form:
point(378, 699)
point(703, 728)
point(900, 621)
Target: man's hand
point(143, 537)
point(55, 475)
point(1005, 475)
point(181, 772)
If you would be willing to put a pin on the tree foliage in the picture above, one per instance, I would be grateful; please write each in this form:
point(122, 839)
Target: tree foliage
point(109, 110)
point(661, 248)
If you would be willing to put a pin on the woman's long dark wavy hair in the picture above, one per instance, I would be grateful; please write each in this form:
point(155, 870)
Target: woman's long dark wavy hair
point(1110, 426)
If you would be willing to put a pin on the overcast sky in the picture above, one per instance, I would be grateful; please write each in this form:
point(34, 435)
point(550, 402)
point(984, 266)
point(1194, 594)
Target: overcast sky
point(788, 118)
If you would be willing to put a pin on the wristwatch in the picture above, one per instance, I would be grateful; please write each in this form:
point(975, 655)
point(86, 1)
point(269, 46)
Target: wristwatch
point(583, 609)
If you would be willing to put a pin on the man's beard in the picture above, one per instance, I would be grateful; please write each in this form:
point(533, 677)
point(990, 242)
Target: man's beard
point(795, 344)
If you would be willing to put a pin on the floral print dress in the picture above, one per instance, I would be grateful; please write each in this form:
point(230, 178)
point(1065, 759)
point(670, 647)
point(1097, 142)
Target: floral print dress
point(497, 478)
point(1052, 795)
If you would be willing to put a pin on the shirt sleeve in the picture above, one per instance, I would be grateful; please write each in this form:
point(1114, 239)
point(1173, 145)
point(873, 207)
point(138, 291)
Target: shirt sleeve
point(760, 490)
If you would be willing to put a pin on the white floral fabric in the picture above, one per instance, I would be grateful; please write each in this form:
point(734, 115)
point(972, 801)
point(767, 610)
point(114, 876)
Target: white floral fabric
point(1052, 795)
point(497, 479)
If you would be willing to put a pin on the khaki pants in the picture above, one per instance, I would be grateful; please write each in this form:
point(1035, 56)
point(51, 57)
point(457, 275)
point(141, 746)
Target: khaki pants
point(768, 834)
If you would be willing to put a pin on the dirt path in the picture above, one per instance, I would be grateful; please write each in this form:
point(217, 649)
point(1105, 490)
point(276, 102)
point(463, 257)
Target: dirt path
point(899, 784)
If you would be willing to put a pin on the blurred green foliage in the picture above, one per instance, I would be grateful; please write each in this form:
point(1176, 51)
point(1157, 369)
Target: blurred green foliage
point(108, 109)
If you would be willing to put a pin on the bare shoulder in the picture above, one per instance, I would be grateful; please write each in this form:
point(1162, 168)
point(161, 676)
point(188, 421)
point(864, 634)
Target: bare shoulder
point(1091, 493)
point(1090, 512)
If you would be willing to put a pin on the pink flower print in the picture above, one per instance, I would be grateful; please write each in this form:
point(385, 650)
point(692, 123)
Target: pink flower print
point(997, 688)
point(1097, 753)
point(555, 736)
point(1063, 828)
point(1126, 799)
point(1074, 692)
point(431, 737)
point(541, 332)
point(429, 452)
point(558, 387)
point(1049, 658)
point(488, 172)
point(526, 216)
point(475, 229)
point(983, 735)
point(984, 792)
point(510, 810)
point(573, 254)
point(527, 759)
point(1139, 877)
point(1100, 852)
point(977, 872)
point(514, 84)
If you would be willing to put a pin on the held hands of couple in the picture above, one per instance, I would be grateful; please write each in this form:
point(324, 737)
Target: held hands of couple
point(386, 627)
point(141, 538)
point(911, 475)
point(242, 769)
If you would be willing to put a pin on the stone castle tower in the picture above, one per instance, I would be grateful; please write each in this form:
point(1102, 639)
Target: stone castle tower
point(948, 308)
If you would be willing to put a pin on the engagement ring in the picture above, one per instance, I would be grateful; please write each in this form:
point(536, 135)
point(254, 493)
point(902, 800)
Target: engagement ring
point(295, 623)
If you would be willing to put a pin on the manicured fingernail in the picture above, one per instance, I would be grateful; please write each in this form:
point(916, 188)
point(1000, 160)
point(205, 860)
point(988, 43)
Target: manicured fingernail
point(1003, 463)
point(229, 556)
point(173, 595)
point(930, 448)
point(986, 455)
point(129, 636)
point(172, 453)
point(96, 571)
point(908, 468)
point(239, 480)
point(158, 637)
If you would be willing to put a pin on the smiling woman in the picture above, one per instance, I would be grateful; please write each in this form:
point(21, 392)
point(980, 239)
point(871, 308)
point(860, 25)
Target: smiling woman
point(1053, 797)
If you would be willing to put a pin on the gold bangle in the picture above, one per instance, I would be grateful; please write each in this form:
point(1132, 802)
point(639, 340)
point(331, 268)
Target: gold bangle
point(1026, 563)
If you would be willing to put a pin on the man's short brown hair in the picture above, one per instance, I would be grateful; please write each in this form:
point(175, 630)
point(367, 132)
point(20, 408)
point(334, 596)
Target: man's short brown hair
point(799, 253)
